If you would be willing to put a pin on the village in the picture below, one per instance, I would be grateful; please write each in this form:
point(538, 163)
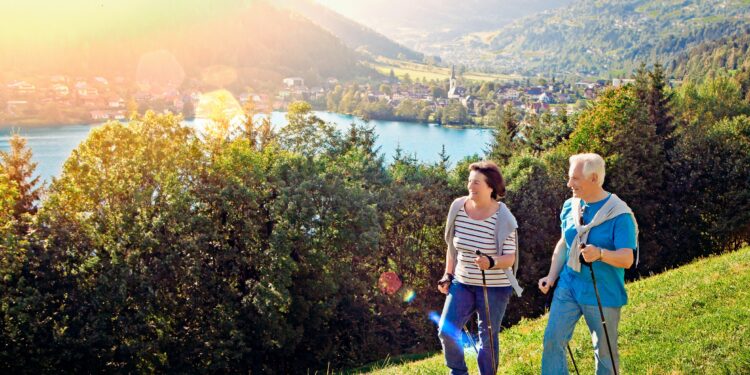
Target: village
point(60, 99)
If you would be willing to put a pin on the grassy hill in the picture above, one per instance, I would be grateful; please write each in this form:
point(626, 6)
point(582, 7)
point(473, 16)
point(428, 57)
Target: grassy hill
point(690, 320)
point(429, 72)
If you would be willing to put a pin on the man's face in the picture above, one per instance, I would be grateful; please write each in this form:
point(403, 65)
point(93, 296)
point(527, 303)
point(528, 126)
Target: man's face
point(582, 187)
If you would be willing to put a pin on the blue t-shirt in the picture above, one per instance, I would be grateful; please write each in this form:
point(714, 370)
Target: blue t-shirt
point(613, 234)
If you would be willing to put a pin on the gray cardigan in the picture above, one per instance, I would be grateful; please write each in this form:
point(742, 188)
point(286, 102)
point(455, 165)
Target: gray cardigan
point(505, 224)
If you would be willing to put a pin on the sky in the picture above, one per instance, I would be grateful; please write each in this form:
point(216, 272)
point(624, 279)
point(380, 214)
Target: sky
point(35, 22)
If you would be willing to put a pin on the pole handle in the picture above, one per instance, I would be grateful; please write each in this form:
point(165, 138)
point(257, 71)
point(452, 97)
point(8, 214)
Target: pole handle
point(580, 257)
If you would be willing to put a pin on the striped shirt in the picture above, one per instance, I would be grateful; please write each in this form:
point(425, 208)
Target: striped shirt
point(471, 235)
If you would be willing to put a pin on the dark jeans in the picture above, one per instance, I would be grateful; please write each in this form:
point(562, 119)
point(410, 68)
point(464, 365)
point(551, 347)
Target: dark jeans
point(463, 301)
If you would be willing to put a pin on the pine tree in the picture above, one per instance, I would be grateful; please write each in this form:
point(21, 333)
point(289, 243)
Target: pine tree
point(249, 129)
point(504, 130)
point(658, 101)
point(20, 169)
point(444, 162)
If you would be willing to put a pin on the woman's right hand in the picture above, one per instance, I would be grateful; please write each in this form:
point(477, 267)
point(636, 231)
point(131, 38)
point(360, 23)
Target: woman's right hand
point(443, 287)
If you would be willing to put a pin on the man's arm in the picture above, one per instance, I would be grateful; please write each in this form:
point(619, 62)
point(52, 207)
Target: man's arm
point(625, 241)
point(621, 258)
point(558, 261)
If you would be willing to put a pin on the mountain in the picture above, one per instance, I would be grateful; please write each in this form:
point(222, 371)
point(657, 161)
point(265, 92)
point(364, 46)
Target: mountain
point(246, 44)
point(426, 26)
point(602, 37)
point(353, 34)
point(728, 53)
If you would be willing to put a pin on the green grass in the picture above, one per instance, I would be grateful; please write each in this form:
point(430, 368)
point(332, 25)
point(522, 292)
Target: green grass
point(419, 71)
point(690, 320)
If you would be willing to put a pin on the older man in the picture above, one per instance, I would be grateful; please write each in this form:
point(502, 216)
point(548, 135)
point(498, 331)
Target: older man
point(607, 229)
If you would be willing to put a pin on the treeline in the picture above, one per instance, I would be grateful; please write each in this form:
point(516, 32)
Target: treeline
point(727, 55)
point(361, 101)
point(609, 37)
point(252, 250)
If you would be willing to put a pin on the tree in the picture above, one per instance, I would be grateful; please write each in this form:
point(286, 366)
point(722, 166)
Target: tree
point(437, 91)
point(385, 89)
point(188, 108)
point(19, 170)
point(504, 129)
point(444, 161)
point(304, 133)
point(651, 91)
point(617, 127)
point(454, 113)
point(407, 110)
point(132, 108)
point(8, 199)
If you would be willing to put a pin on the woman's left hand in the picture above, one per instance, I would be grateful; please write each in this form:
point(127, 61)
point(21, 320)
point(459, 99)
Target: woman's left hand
point(482, 262)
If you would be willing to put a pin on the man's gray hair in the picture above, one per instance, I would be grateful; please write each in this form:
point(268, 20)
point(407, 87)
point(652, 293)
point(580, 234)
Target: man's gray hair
point(592, 163)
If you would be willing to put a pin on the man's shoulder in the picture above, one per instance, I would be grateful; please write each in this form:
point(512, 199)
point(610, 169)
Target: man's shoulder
point(567, 205)
point(624, 218)
point(567, 208)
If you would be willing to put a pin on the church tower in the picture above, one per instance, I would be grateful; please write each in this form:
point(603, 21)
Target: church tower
point(452, 90)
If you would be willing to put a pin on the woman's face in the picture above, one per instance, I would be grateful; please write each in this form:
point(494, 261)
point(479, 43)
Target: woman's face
point(477, 186)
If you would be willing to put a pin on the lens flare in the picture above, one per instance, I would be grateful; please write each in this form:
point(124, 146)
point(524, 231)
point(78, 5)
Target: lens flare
point(409, 295)
point(389, 282)
point(466, 339)
point(434, 317)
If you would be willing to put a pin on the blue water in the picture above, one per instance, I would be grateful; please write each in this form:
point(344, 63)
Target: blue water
point(52, 145)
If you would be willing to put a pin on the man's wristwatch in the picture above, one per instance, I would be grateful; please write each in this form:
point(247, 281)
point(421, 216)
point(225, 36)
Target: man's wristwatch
point(447, 278)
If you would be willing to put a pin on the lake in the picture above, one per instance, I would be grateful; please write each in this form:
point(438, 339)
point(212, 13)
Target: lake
point(52, 145)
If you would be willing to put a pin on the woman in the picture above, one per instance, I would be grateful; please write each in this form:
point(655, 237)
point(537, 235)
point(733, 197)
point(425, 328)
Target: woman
point(478, 222)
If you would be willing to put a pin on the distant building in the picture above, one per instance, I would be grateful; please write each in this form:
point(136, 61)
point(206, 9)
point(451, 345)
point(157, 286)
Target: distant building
point(116, 102)
point(544, 98)
point(60, 90)
point(534, 91)
point(294, 82)
point(17, 107)
point(22, 87)
point(617, 82)
point(454, 92)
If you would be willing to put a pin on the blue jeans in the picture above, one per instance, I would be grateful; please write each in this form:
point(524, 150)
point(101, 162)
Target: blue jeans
point(463, 301)
point(563, 316)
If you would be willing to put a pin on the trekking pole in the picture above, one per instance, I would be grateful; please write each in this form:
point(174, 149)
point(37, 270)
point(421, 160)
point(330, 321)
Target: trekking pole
point(601, 310)
point(489, 319)
point(473, 344)
point(546, 309)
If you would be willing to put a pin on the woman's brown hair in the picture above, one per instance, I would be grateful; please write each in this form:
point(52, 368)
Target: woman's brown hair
point(493, 176)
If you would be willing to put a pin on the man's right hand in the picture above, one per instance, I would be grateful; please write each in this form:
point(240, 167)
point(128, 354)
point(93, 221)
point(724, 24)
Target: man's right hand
point(545, 283)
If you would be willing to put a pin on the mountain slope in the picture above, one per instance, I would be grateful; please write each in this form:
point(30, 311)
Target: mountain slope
point(693, 319)
point(353, 34)
point(427, 25)
point(255, 43)
point(599, 37)
point(728, 53)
